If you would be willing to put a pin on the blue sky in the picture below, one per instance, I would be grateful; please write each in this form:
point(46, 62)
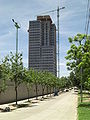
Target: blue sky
point(72, 21)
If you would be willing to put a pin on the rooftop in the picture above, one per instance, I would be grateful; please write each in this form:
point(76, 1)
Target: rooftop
point(44, 18)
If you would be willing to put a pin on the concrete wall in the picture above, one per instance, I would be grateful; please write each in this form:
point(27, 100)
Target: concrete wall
point(9, 94)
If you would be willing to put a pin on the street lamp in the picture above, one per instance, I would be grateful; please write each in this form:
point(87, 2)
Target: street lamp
point(17, 27)
point(16, 82)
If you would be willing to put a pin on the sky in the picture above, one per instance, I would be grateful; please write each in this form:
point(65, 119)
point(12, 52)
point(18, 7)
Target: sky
point(72, 21)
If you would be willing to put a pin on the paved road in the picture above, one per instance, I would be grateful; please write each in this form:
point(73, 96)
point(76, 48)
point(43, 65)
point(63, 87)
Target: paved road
point(62, 107)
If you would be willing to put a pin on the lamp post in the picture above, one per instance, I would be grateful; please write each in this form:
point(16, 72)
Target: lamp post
point(17, 27)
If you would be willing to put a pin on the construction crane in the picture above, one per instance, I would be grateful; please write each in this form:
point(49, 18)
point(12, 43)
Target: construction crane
point(56, 10)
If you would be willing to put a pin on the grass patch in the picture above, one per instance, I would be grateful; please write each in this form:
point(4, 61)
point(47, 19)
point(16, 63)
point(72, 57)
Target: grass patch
point(84, 108)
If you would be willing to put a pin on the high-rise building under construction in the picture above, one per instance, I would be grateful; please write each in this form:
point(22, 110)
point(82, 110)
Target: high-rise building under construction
point(42, 44)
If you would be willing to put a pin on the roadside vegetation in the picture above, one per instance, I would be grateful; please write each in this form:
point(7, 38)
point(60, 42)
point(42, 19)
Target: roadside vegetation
point(79, 64)
point(84, 107)
point(12, 70)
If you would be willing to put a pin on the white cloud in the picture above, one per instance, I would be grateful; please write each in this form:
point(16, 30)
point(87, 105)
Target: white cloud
point(22, 11)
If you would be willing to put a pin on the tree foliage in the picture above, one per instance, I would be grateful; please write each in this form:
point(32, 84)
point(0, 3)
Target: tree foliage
point(12, 69)
point(16, 72)
point(4, 70)
point(79, 57)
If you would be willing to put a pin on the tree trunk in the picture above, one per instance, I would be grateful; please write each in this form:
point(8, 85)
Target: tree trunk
point(16, 92)
point(36, 91)
point(50, 91)
point(53, 89)
point(81, 93)
point(81, 86)
point(47, 91)
point(42, 91)
point(28, 94)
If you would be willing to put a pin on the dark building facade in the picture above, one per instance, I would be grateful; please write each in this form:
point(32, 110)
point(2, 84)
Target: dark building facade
point(42, 44)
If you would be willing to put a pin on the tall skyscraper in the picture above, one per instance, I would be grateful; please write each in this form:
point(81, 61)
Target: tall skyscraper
point(42, 44)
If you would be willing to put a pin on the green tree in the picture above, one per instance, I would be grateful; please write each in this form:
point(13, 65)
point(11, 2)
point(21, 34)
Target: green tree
point(42, 81)
point(73, 79)
point(79, 58)
point(47, 80)
point(4, 72)
point(87, 84)
point(50, 82)
point(16, 70)
point(35, 78)
point(2, 81)
point(28, 79)
point(63, 83)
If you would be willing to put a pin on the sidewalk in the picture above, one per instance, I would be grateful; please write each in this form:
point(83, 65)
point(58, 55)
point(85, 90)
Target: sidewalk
point(62, 107)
